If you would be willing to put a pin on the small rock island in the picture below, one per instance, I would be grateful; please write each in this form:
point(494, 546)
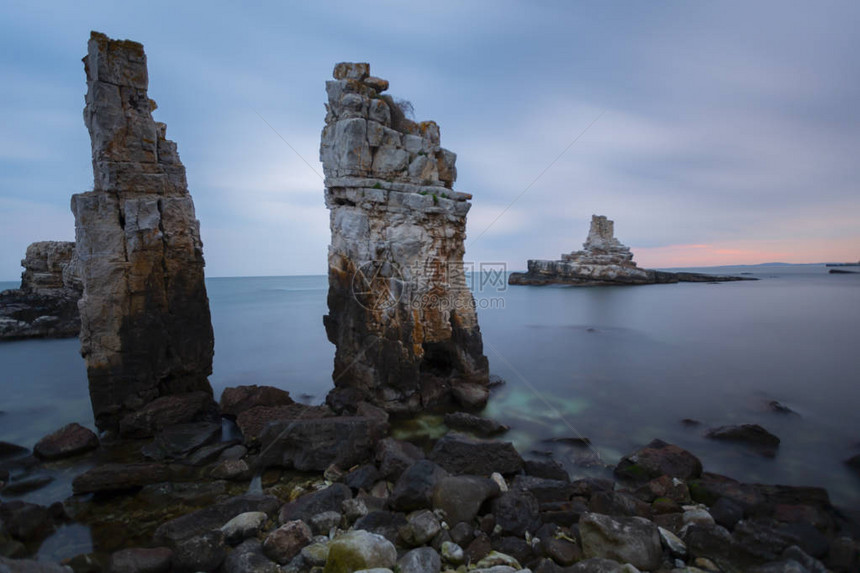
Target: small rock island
point(604, 260)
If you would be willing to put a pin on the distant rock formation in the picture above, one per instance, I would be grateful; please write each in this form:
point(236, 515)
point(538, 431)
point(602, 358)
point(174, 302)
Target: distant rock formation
point(145, 325)
point(50, 269)
point(603, 261)
point(46, 305)
point(400, 313)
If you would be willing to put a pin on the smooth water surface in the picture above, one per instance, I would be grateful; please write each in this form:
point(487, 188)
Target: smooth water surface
point(619, 365)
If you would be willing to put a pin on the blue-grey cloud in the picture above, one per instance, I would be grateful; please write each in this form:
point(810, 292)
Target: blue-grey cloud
point(723, 122)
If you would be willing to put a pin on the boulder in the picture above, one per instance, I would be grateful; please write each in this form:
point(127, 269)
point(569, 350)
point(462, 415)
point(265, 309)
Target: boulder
point(465, 422)
point(177, 442)
point(421, 527)
point(357, 550)
point(316, 444)
point(26, 521)
point(8, 451)
point(213, 517)
point(70, 440)
point(308, 505)
point(243, 526)
point(460, 454)
point(547, 469)
point(169, 411)
point(421, 560)
point(284, 543)
point(633, 540)
point(414, 489)
point(237, 399)
point(254, 420)
point(233, 470)
point(323, 523)
point(385, 523)
point(116, 477)
point(363, 477)
point(248, 557)
point(460, 497)
point(204, 552)
point(544, 490)
point(516, 512)
point(657, 459)
point(751, 435)
point(141, 560)
point(394, 456)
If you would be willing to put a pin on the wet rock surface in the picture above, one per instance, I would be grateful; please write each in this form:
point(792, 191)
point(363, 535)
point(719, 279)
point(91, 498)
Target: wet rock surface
point(70, 440)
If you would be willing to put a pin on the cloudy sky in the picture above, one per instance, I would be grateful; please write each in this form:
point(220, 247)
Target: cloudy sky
point(720, 132)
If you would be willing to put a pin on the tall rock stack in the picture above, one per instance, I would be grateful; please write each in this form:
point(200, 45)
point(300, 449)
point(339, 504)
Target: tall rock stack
point(400, 313)
point(145, 324)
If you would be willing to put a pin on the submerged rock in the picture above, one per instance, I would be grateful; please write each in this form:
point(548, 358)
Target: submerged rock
point(751, 435)
point(400, 313)
point(656, 459)
point(145, 325)
point(603, 261)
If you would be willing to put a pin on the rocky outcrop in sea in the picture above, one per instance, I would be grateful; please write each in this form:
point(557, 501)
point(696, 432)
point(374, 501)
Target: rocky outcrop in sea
point(145, 325)
point(400, 313)
point(46, 305)
point(603, 261)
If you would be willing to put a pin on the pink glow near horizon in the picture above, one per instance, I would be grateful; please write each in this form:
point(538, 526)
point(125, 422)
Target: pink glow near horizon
point(748, 253)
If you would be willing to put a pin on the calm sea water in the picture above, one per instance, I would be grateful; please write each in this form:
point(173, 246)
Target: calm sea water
point(619, 365)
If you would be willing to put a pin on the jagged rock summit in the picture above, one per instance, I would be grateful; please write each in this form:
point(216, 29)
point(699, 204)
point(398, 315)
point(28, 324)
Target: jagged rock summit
point(400, 313)
point(601, 247)
point(46, 305)
point(145, 324)
point(604, 260)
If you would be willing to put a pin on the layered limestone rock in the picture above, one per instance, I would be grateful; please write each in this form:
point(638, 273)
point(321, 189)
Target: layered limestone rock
point(604, 260)
point(45, 265)
point(46, 305)
point(145, 324)
point(400, 313)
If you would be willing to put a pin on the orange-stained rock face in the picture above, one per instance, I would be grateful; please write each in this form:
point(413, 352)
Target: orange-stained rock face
point(400, 313)
point(145, 324)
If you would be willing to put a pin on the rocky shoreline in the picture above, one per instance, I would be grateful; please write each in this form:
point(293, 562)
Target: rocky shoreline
point(46, 304)
point(307, 489)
